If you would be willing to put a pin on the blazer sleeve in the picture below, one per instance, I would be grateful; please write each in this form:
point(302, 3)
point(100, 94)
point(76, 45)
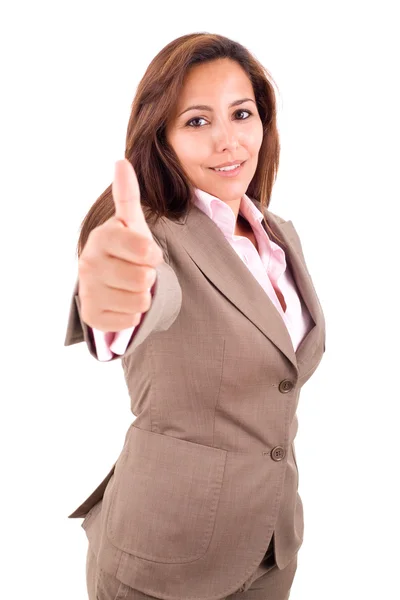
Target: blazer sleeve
point(165, 307)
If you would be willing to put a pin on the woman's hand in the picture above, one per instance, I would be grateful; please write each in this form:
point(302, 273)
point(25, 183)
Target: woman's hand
point(117, 265)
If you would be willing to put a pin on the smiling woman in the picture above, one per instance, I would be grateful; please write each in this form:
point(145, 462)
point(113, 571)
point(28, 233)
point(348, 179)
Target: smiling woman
point(202, 501)
point(222, 132)
point(204, 101)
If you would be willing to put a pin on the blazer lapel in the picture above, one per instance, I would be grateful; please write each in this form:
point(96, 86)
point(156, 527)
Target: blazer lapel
point(295, 258)
point(215, 257)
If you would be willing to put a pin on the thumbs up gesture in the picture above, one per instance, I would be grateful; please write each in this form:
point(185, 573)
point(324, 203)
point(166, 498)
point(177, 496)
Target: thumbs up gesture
point(117, 265)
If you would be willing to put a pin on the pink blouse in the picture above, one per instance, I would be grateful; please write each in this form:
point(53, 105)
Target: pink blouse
point(268, 266)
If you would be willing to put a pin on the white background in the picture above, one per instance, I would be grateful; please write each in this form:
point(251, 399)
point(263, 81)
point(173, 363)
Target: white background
point(68, 77)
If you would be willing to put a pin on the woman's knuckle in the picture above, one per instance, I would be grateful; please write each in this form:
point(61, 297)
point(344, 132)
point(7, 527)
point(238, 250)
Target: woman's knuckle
point(145, 301)
point(151, 276)
point(94, 236)
point(143, 248)
point(84, 265)
point(87, 315)
point(145, 278)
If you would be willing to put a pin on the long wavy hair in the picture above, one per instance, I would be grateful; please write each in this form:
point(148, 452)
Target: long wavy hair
point(165, 190)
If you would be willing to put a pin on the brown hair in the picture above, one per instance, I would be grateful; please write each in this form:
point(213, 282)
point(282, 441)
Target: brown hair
point(165, 190)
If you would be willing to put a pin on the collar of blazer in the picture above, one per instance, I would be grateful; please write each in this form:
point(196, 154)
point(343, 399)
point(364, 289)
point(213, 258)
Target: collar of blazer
point(214, 256)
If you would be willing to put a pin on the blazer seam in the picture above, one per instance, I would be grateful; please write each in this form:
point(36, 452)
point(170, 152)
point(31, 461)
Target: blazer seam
point(219, 390)
point(152, 384)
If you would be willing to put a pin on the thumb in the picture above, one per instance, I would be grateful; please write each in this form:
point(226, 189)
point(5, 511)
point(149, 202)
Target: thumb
point(126, 195)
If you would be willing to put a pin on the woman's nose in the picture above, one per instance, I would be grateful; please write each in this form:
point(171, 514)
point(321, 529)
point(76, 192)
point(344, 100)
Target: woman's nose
point(225, 137)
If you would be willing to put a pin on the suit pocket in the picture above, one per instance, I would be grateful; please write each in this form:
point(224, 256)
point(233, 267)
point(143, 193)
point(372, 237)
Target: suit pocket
point(165, 496)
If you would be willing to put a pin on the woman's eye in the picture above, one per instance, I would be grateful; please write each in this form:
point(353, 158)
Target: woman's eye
point(195, 119)
point(241, 110)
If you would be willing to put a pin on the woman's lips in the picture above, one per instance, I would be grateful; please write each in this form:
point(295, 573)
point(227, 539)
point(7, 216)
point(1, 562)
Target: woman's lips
point(231, 173)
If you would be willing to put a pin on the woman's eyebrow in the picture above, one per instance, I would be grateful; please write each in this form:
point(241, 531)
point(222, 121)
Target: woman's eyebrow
point(205, 107)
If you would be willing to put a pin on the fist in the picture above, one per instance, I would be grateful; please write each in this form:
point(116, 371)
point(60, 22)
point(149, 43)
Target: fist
point(117, 266)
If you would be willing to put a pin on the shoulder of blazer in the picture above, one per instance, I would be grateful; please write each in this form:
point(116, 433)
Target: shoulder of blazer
point(160, 233)
point(277, 217)
point(257, 204)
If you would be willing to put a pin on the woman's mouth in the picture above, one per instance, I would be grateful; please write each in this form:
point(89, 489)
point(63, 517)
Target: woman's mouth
point(232, 171)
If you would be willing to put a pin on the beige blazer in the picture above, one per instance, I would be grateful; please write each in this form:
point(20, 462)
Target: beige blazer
point(207, 473)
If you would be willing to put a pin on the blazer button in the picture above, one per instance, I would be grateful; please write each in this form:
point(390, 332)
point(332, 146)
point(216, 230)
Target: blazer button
point(286, 386)
point(278, 453)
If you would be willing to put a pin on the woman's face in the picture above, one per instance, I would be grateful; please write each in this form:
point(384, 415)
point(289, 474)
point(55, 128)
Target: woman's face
point(219, 131)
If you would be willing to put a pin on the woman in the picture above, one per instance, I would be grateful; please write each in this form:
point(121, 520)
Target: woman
point(204, 295)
